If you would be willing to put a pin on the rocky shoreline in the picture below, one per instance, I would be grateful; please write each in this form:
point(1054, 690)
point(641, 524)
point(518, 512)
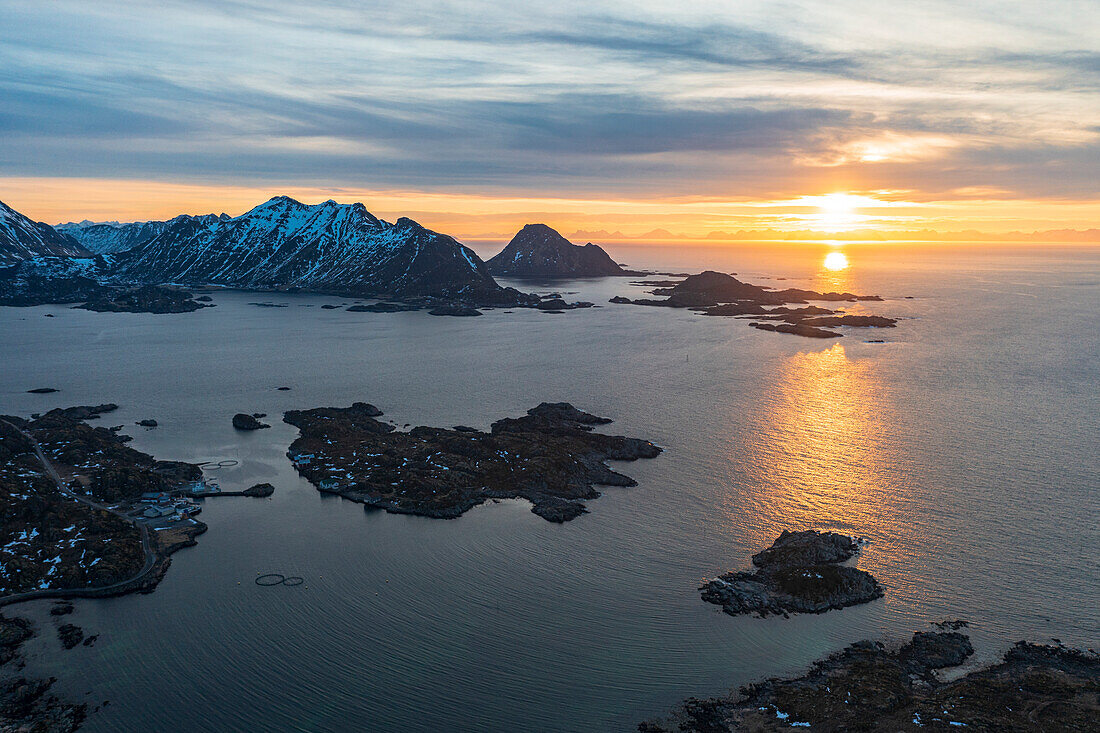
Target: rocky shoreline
point(869, 687)
point(26, 704)
point(799, 573)
point(551, 457)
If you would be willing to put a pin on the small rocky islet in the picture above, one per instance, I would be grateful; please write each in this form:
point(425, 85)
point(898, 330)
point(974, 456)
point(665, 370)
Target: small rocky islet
point(870, 687)
point(551, 457)
point(800, 573)
point(718, 294)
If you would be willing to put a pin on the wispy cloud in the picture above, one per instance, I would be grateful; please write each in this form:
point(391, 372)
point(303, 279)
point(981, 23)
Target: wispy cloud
point(630, 99)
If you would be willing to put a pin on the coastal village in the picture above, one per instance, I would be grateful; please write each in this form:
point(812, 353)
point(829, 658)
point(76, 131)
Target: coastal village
point(86, 514)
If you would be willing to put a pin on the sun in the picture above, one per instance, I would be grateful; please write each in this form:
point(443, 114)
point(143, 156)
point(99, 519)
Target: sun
point(836, 261)
point(838, 210)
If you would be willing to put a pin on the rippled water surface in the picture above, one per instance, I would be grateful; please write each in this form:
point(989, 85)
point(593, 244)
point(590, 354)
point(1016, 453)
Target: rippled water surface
point(964, 449)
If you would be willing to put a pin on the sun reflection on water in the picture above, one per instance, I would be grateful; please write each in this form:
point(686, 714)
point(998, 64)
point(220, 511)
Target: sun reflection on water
point(820, 458)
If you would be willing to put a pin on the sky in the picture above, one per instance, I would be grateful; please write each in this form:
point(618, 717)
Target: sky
point(476, 117)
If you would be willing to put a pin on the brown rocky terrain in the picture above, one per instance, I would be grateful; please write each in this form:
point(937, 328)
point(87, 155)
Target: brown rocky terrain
point(799, 573)
point(868, 687)
point(551, 457)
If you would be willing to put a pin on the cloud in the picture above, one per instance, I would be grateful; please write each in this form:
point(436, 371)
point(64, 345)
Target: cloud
point(760, 99)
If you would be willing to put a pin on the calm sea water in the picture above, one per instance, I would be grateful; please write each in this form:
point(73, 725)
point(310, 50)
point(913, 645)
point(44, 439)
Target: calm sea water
point(964, 449)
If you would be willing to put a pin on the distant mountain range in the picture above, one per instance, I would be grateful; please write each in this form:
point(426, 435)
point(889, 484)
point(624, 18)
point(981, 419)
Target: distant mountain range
point(112, 237)
point(281, 244)
point(23, 239)
point(539, 250)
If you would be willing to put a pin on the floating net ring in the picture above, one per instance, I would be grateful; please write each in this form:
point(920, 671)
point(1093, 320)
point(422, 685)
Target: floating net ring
point(293, 580)
point(271, 579)
point(214, 465)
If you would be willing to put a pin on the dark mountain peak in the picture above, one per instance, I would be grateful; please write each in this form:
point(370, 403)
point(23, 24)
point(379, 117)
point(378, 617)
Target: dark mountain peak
point(275, 205)
point(539, 250)
point(541, 230)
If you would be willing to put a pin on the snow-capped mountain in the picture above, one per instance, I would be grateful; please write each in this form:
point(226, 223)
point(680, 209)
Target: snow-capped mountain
point(539, 250)
point(23, 239)
point(110, 237)
point(327, 247)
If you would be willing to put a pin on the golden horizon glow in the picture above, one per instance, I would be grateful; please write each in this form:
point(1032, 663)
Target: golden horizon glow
point(599, 217)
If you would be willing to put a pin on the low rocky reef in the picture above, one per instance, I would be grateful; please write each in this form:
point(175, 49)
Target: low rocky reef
point(244, 421)
point(144, 299)
point(26, 704)
point(718, 294)
point(867, 687)
point(551, 457)
point(799, 573)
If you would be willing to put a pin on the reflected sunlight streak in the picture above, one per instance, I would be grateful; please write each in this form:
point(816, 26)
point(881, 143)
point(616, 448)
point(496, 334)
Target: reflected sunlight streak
point(819, 460)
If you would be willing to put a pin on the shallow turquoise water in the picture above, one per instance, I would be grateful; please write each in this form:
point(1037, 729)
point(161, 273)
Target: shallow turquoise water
point(964, 449)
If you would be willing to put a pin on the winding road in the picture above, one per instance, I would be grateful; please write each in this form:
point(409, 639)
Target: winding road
point(146, 539)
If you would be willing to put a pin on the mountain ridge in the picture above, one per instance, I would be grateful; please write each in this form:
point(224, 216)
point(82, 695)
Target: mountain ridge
point(21, 238)
point(113, 237)
point(327, 247)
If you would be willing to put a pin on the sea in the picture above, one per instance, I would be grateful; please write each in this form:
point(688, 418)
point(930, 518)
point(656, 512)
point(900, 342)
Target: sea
point(965, 449)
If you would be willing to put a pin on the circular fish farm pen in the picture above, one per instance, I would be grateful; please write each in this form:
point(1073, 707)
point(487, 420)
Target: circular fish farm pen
point(214, 465)
point(271, 579)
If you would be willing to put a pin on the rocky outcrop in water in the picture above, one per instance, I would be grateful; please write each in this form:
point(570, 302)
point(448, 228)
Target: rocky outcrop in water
point(70, 635)
point(799, 573)
point(244, 421)
point(868, 687)
point(551, 457)
point(383, 308)
point(797, 329)
point(718, 294)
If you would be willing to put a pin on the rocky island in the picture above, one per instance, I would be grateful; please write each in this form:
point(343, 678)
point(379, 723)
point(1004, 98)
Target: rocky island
point(718, 294)
point(868, 687)
point(539, 251)
point(143, 299)
point(550, 457)
point(799, 573)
